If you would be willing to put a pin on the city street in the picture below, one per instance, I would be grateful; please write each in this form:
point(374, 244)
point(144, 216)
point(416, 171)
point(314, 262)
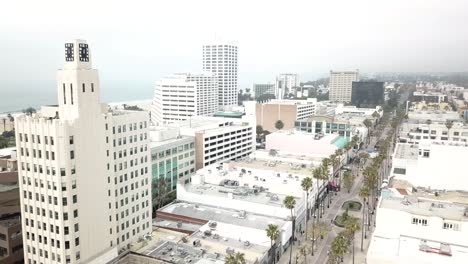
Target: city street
point(322, 249)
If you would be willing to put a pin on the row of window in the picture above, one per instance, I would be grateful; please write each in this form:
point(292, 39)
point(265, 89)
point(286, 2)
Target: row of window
point(131, 127)
point(23, 137)
point(445, 225)
point(52, 214)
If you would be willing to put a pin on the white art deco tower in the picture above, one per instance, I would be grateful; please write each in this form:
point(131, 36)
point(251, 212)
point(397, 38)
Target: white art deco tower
point(84, 171)
point(220, 58)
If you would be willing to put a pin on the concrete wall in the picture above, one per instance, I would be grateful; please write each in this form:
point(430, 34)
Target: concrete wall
point(268, 114)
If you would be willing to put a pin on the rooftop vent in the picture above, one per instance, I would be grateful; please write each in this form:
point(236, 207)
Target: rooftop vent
point(197, 243)
point(212, 225)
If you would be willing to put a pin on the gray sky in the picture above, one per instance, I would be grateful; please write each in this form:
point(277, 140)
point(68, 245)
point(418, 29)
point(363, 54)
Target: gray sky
point(144, 40)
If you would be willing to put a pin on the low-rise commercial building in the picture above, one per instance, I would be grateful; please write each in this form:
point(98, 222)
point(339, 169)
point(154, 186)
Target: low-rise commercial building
point(172, 159)
point(420, 227)
point(218, 139)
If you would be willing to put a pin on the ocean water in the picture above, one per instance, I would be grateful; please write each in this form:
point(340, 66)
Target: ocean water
point(18, 95)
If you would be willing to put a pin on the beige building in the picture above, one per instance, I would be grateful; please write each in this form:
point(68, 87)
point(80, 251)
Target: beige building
point(341, 84)
point(288, 111)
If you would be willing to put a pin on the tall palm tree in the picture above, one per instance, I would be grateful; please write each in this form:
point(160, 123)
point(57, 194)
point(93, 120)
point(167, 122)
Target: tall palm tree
point(351, 226)
point(363, 193)
point(289, 202)
point(448, 125)
point(428, 123)
point(367, 123)
point(306, 185)
point(273, 233)
point(236, 258)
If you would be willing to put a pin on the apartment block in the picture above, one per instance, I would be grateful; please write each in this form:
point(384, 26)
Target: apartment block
point(340, 85)
point(180, 96)
point(85, 179)
point(286, 83)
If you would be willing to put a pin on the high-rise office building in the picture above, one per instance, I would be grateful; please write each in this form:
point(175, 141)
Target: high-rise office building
point(260, 89)
point(286, 83)
point(221, 59)
point(180, 96)
point(367, 94)
point(341, 85)
point(84, 171)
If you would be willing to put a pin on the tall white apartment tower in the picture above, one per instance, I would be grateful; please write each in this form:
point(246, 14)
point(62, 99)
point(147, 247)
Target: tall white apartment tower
point(341, 83)
point(285, 83)
point(221, 59)
point(84, 171)
point(180, 96)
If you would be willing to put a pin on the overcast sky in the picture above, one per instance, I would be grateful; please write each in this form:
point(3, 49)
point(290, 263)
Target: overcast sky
point(144, 40)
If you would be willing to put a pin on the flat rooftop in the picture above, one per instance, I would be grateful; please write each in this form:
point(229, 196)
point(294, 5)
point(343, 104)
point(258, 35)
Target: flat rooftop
point(426, 207)
point(238, 193)
point(406, 151)
point(157, 144)
point(222, 215)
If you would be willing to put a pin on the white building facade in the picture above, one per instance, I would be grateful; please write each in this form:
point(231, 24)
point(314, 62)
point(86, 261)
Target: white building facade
point(84, 172)
point(181, 96)
point(341, 83)
point(219, 139)
point(221, 59)
point(419, 230)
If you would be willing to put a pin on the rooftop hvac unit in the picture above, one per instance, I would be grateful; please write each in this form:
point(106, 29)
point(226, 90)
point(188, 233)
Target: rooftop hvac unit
point(229, 251)
point(207, 232)
point(197, 243)
point(212, 225)
point(246, 243)
point(242, 214)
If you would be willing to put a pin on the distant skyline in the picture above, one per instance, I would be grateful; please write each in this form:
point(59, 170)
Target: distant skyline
point(146, 40)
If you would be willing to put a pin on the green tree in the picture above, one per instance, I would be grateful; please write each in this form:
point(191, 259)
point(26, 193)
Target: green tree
point(279, 125)
point(273, 233)
point(339, 247)
point(363, 193)
point(236, 258)
point(259, 130)
point(368, 124)
point(29, 111)
point(351, 226)
point(348, 180)
point(289, 202)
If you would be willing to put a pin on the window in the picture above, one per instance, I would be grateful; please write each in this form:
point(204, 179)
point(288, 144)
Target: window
point(451, 226)
point(72, 154)
point(426, 153)
point(71, 140)
point(419, 221)
point(399, 171)
point(92, 87)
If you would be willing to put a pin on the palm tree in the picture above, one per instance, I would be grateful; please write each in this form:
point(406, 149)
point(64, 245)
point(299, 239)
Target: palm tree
point(367, 123)
point(363, 193)
point(279, 125)
point(236, 258)
point(306, 185)
point(428, 123)
point(273, 233)
point(449, 125)
point(348, 180)
point(339, 247)
point(351, 226)
point(289, 202)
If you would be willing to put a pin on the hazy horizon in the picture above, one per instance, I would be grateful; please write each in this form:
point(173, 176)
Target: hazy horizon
point(146, 40)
